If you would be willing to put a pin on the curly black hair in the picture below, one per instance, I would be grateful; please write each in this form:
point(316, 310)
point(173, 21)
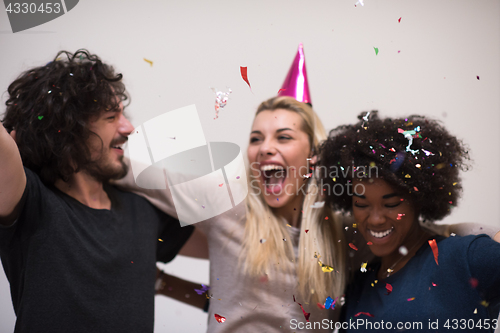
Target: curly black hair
point(50, 107)
point(415, 155)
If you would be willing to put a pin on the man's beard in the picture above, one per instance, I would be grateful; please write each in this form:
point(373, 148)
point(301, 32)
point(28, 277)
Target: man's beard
point(104, 172)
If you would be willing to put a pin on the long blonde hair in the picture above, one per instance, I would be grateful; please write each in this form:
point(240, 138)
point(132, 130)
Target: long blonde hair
point(324, 230)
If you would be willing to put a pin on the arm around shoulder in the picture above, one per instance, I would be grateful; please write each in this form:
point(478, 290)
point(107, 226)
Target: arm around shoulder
point(12, 179)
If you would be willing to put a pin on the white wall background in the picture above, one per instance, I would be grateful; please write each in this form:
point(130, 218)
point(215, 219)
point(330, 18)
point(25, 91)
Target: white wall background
point(196, 45)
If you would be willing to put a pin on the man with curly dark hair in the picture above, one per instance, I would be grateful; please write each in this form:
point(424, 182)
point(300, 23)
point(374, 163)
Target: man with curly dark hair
point(79, 253)
point(400, 170)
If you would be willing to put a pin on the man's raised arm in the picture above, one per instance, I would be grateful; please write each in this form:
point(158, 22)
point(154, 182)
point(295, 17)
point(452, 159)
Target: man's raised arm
point(12, 178)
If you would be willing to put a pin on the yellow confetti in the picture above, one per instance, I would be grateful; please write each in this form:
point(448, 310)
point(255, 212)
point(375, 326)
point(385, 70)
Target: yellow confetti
point(440, 165)
point(455, 183)
point(161, 240)
point(334, 179)
point(327, 269)
point(407, 175)
point(148, 61)
point(475, 311)
point(485, 304)
point(288, 225)
point(373, 285)
point(372, 164)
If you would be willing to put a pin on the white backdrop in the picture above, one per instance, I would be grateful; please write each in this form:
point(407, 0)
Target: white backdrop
point(194, 45)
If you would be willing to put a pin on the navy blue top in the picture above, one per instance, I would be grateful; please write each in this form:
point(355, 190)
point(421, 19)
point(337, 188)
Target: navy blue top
point(441, 297)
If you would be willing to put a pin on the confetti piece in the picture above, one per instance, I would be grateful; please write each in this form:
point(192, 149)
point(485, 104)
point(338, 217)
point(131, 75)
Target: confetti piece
point(328, 302)
point(326, 268)
point(365, 313)
point(360, 2)
point(388, 287)
point(403, 250)
point(282, 89)
point(219, 318)
point(221, 99)
point(434, 248)
point(475, 311)
point(434, 284)
point(399, 20)
point(326, 218)
point(363, 267)
point(238, 177)
point(400, 216)
point(318, 204)
point(410, 299)
point(485, 304)
point(307, 230)
point(40, 117)
point(415, 188)
point(203, 289)
point(244, 75)
point(161, 240)
point(477, 77)
point(220, 185)
point(306, 315)
point(376, 50)
point(148, 61)
point(352, 246)
point(321, 306)
point(369, 243)
point(263, 240)
point(473, 283)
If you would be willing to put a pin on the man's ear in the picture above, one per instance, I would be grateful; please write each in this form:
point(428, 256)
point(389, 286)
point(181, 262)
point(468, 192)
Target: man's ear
point(13, 135)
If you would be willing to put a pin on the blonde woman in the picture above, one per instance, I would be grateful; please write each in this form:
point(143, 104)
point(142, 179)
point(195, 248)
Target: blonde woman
point(276, 247)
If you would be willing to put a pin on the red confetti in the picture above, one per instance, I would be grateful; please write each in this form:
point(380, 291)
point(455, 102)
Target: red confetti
point(410, 299)
point(415, 188)
point(434, 284)
point(352, 246)
point(282, 89)
point(369, 243)
point(365, 313)
point(244, 75)
point(389, 288)
point(399, 20)
point(321, 306)
point(434, 248)
point(326, 218)
point(306, 315)
point(219, 318)
point(307, 230)
point(473, 283)
point(220, 185)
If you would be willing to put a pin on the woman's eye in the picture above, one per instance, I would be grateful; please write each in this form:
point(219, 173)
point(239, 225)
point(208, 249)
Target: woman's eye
point(111, 118)
point(252, 140)
point(393, 205)
point(284, 138)
point(359, 205)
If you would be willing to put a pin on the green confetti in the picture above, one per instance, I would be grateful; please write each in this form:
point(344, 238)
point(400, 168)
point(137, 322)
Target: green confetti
point(40, 117)
point(376, 50)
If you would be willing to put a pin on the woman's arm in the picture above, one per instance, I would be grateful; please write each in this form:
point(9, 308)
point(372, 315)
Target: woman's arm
point(196, 246)
point(178, 289)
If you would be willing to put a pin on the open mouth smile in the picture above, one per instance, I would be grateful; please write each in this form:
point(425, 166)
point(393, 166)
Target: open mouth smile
point(381, 234)
point(273, 177)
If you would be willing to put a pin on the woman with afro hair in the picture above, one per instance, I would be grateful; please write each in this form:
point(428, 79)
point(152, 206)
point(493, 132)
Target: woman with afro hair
point(389, 173)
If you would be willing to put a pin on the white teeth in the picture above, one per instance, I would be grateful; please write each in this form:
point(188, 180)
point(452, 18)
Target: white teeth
point(269, 167)
point(381, 234)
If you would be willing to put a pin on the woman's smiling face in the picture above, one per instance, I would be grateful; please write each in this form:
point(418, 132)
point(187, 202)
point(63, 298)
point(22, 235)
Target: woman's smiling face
point(278, 153)
point(384, 217)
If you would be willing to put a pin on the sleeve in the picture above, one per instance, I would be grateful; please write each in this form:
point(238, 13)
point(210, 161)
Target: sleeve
point(31, 193)
point(483, 256)
point(174, 237)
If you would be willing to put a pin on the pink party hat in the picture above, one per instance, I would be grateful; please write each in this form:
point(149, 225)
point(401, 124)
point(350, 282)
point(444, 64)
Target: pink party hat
point(295, 84)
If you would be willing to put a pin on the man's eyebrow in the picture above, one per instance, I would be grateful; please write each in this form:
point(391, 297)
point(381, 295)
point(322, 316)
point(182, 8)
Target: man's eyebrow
point(387, 196)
